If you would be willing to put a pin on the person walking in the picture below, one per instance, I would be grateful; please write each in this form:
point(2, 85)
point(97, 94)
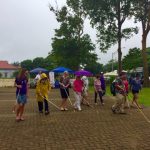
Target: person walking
point(21, 84)
point(103, 85)
point(64, 89)
point(98, 89)
point(85, 99)
point(120, 90)
point(42, 89)
point(136, 86)
point(126, 84)
point(78, 88)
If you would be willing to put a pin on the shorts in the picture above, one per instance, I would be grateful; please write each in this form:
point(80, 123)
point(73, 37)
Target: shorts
point(22, 99)
point(134, 91)
point(64, 93)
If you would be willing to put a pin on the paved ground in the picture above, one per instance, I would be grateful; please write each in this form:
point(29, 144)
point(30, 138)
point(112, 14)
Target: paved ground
point(92, 129)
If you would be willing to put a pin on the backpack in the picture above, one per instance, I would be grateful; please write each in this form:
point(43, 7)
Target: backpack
point(112, 89)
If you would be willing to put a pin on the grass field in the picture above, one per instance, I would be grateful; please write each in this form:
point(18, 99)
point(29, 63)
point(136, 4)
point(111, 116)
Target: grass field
point(144, 95)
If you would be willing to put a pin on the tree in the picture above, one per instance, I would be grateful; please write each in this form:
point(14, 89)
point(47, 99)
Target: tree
point(71, 47)
point(108, 17)
point(142, 14)
point(133, 59)
point(27, 64)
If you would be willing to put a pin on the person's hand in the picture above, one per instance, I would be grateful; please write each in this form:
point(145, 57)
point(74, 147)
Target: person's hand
point(27, 95)
point(19, 86)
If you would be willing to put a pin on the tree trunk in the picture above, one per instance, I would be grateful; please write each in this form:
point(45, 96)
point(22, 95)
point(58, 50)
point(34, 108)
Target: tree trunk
point(119, 56)
point(145, 62)
point(119, 40)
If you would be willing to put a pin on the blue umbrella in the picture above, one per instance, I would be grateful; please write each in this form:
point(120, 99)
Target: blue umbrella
point(61, 69)
point(37, 70)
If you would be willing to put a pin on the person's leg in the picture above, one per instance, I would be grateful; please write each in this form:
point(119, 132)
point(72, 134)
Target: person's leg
point(136, 96)
point(75, 103)
point(46, 106)
point(118, 103)
point(95, 98)
point(18, 112)
point(22, 111)
point(40, 106)
point(79, 101)
point(65, 104)
point(100, 96)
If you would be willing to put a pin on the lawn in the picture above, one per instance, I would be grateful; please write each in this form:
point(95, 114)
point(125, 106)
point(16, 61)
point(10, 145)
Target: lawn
point(144, 95)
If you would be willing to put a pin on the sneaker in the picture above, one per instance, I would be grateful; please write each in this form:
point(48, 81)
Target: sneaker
point(95, 103)
point(79, 109)
point(46, 112)
point(103, 104)
point(66, 109)
point(113, 110)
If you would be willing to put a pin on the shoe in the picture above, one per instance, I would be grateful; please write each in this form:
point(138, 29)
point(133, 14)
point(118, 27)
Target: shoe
point(46, 112)
point(95, 103)
point(103, 104)
point(62, 109)
point(113, 110)
point(40, 112)
point(65, 109)
point(22, 119)
point(79, 109)
point(17, 118)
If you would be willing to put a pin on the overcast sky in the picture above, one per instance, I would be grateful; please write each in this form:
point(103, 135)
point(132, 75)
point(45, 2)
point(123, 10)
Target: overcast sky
point(27, 26)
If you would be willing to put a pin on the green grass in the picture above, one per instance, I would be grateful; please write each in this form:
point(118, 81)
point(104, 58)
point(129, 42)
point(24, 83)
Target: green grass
point(144, 95)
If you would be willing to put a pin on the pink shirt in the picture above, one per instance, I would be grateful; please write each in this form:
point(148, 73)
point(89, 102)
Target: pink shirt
point(78, 85)
point(97, 85)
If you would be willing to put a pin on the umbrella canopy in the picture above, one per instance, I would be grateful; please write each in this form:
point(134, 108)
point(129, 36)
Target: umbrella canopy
point(61, 70)
point(113, 73)
point(37, 70)
point(83, 73)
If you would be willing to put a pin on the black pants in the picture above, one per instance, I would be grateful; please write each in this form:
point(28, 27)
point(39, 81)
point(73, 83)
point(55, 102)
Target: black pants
point(100, 96)
point(40, 105)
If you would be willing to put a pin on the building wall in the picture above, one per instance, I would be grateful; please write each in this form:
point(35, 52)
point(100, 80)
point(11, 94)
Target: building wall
point(7, 73)
point(7, 82)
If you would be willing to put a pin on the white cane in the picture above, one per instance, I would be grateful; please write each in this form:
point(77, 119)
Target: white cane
point(50, 102)
point(146, 118)
point(68, 97)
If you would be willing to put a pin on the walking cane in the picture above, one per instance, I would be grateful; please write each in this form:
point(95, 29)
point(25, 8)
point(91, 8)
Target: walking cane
point(50, 102)
point(68, 97)
point(146, 118)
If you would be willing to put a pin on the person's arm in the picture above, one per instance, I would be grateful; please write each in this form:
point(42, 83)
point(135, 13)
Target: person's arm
point(61, 82)
point(17, 85)
point(27, 89)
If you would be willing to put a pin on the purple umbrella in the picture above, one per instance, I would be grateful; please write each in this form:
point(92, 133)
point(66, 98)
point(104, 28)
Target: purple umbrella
point(83, 73)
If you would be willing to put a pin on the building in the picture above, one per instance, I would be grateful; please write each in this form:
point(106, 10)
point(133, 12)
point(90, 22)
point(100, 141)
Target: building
point(7, 70)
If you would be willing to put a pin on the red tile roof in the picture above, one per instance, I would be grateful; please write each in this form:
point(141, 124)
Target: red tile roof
point(6, 65)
